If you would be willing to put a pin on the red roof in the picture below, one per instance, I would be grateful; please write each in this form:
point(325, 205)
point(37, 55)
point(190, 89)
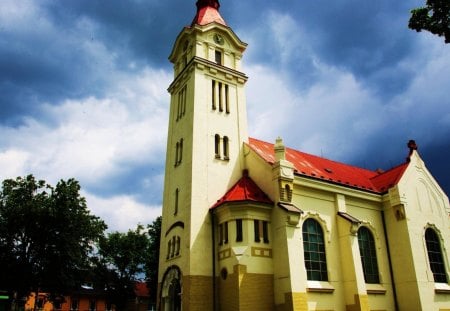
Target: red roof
point(331, 171)
point(141, 289)
point(243, 191)
point(207, 15)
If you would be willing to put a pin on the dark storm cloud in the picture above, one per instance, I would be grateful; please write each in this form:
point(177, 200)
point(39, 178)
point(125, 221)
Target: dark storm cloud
point(369, 39)
point(40, 65)
point(142, 30)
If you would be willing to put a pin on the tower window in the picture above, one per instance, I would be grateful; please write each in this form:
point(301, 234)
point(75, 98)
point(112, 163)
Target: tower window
point(314, 251)
point(261, 230)
point(225, 148)
point(227, 100)
point(435, 256)
point(218, 57)
point(223, 233)
point(177, 194)
point(217, 146)
point(178, 242)
point(179, 152)
point(265, 231)
point(220, 96)
point(368, 254)
point(239, 237)
point(213, 94)
point(181, 104)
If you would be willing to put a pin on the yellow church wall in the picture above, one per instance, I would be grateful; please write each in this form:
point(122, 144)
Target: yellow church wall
point(320, 205)
point(425, 205)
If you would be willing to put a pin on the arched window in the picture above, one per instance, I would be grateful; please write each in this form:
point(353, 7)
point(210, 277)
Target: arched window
point(435, 256)
point(314, 251)
point(368, 254)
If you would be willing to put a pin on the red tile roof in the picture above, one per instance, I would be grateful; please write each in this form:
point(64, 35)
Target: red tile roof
point(331, 171)
point(207, 15)
point(141, 289)
point(243, 191)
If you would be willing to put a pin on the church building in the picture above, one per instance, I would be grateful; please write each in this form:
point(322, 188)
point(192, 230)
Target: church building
point(254, 225)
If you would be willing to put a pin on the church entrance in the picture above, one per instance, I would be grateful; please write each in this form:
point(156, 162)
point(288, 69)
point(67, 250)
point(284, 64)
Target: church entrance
point(171, 290)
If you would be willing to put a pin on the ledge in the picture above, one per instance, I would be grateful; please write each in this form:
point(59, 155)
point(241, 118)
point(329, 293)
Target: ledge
point(319, 287)
point(441, 288)
point(375, 289)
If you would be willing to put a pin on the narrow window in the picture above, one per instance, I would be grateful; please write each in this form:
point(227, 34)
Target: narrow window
point(288, 193)
point(238, 230)
point(220, 96)
point(177, 252)
point(213, 94)
point(227, 100)
point(435, 256)
point(256, 229)
point(183, 108)
point(179, 103)
point(181, 151)
point(220, 234)
point(314, 251)
point(177, 194)
point(74, 305)
point(217, 146)
point(169, 249)
point(92, 305)
point(265, 231)
point(40, 302)
point(225, 148)
point(57, 304)
point(368, 254)
point(218, 57)
point(225, 234)
point(172, 253)
point(176, 153)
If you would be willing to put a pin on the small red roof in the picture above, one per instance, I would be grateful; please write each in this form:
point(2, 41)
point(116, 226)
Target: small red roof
point(331, 171)
point(207, 15)
point(243, 191)
point(141, 289)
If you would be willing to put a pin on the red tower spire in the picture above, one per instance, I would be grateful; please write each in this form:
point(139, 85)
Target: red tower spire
point(208, 12)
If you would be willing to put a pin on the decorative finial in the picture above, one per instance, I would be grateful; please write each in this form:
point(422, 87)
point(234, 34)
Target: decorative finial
point(212, 3)
point(412, 146)
point(279, 149)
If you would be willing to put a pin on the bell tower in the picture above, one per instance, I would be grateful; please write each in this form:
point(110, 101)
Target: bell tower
point(207, 129)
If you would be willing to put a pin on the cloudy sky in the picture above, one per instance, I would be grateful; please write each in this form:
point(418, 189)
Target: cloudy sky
point(83, 89)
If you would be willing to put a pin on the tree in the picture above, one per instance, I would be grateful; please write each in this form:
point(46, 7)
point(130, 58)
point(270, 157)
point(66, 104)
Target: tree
point(46, 235)
point(434, 17)
point(122, 257)
point(152, 263)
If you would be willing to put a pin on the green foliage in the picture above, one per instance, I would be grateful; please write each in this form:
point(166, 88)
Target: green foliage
point(46, 235)
point(122, 257)
point(152, 260)
point(434, 17)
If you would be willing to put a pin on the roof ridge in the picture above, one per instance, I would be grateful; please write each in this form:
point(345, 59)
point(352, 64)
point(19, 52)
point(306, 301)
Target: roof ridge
point(331, 171)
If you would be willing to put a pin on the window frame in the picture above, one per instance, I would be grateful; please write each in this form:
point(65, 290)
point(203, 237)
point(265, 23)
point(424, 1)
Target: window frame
point(316, 269)
point(368, 255)
point(435, 255)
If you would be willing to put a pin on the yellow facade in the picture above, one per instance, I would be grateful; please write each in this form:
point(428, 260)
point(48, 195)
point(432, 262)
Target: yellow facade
point(252, 255)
